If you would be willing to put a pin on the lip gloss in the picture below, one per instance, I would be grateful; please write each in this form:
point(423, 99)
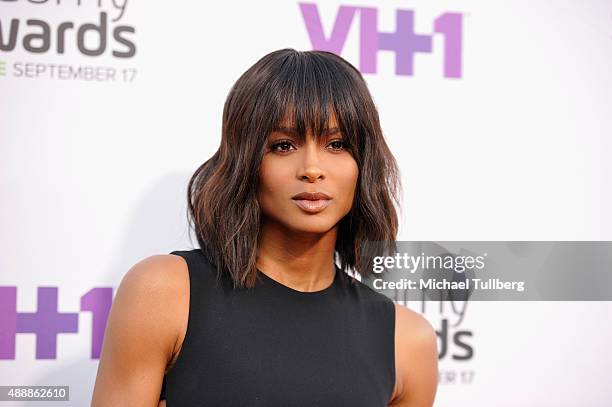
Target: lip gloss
point(312, 206)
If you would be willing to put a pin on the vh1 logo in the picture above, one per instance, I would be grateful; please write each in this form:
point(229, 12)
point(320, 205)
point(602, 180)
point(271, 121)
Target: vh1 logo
point(46, 323)
point(404, 42)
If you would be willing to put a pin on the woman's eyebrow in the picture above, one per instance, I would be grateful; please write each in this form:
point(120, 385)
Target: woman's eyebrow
point(331, 131)
point(287, 130)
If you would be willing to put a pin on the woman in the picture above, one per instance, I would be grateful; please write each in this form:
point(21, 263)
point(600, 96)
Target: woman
point(260, 314)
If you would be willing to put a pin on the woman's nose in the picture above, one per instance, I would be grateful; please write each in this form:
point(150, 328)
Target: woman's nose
point(311, 166)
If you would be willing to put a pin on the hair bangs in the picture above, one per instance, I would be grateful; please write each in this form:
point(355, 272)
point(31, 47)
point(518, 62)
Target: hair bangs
point(315, 91)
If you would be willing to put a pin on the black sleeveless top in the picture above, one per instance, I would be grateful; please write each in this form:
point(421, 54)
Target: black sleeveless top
point(276, 346)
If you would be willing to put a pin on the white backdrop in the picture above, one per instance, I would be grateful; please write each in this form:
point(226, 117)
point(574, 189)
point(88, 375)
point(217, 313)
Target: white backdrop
point(93, 172)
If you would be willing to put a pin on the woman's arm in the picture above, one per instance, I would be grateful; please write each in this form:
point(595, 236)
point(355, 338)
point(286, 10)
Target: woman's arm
point(416, 360)
point(141, 334)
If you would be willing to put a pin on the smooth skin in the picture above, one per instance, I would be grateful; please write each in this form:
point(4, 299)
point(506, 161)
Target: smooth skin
point(148, 318)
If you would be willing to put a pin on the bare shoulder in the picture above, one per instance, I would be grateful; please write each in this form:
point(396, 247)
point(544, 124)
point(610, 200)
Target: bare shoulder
point(413, 327)
point(161, 274)
point(162, 282)
point(416, 359)
point(145, 324)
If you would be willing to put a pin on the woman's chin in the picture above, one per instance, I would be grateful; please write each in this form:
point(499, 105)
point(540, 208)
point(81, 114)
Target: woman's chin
point(313, 226)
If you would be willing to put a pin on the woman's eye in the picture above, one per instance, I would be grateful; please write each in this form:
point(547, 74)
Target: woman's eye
point(338, 145)
point(283, 143)
point(284, 146)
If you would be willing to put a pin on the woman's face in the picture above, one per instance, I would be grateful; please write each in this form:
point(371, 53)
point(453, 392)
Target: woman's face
point(289, 168)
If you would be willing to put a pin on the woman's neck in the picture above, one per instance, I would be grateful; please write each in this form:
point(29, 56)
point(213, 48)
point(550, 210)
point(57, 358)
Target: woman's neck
point(300, 260)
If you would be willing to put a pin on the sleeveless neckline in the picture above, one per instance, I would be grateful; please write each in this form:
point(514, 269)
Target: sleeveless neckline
point(292, 291)
point(272, 342)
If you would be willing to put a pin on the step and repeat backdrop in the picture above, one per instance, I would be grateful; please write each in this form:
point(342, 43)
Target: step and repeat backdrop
point(499, 114)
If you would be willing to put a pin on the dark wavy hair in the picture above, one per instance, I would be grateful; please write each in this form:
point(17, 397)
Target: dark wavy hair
point(305, 87)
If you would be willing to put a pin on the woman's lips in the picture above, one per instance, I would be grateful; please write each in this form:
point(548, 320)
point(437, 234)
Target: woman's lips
point(312, 206)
